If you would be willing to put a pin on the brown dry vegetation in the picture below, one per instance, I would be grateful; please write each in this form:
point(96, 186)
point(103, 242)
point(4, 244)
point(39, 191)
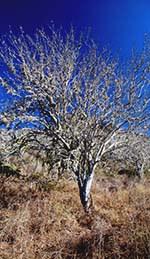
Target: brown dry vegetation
point(46, 221)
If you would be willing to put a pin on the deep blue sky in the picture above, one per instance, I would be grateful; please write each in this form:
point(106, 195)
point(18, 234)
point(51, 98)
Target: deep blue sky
point(120, 23)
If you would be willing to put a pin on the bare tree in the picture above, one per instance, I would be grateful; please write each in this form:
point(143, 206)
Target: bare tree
point(139, 152)
point(131, 157)
point(69, 99)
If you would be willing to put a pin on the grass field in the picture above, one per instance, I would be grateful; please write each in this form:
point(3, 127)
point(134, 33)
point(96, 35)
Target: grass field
point(45, 220)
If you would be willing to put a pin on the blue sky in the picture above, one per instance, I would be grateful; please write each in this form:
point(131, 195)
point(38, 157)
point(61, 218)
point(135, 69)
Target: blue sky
point(121, 23)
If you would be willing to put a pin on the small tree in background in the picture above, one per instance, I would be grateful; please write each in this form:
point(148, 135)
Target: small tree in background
point(133, 156)
point(71, 100)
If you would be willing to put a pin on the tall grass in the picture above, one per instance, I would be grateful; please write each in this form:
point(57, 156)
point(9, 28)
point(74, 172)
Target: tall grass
point(46, 221)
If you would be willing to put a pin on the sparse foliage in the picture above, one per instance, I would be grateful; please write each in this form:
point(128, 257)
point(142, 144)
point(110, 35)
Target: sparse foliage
point(133, 155)
point(71, 100)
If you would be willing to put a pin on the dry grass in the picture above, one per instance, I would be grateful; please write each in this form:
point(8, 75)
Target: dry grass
point(46, 221)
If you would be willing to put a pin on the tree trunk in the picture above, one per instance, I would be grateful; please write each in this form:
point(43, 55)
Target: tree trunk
point(87, 202)
point(84, 191)
point(140, 171)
